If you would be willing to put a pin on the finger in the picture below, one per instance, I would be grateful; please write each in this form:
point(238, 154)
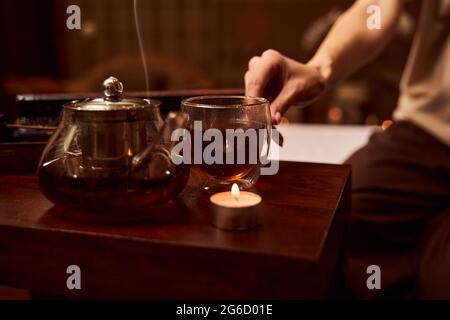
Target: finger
point(277, 118)
point(284, 100)
point(256, 80)
point(261, 71)
point(253, 62)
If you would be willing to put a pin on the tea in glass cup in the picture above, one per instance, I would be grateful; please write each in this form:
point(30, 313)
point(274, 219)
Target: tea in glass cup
point(230, 136)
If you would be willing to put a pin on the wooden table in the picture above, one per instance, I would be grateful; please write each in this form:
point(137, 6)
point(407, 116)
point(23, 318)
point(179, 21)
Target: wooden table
point(176, 253)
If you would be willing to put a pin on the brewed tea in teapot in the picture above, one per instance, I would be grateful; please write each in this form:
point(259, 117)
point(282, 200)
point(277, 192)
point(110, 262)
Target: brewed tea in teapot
point(112, 154)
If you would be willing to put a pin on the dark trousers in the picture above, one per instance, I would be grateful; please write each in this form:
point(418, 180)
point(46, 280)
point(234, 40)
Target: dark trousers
point(401, 215)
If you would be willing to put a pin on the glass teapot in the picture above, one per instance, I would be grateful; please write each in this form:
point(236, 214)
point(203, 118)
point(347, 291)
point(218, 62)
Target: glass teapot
point(112, 154)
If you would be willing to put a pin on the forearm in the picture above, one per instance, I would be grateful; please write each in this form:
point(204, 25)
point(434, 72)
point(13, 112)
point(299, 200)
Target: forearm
point(350, 44)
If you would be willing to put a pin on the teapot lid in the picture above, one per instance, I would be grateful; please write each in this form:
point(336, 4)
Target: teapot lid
point(113, 104)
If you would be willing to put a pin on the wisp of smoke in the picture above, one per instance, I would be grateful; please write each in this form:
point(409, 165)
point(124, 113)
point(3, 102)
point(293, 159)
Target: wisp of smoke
point(141, 45)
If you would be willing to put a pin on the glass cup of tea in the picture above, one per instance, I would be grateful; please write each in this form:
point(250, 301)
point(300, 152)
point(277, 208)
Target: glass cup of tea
point(230, 139)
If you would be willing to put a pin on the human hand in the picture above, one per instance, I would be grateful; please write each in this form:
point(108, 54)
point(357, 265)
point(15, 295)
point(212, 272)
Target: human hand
point(283, 81)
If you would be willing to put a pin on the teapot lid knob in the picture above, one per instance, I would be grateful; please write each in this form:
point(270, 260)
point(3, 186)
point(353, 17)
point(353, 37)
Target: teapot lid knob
point(113, 88)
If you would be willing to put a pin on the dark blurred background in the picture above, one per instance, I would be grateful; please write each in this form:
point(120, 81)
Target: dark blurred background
point(188, 44)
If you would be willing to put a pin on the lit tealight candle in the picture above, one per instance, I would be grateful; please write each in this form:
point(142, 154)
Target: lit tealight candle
point(235, 210)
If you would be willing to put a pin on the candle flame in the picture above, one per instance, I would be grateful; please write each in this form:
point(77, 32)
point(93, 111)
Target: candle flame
point(235, 192)
point(130, 152)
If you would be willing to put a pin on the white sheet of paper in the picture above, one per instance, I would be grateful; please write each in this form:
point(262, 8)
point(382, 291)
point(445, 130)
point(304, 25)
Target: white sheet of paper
point(321, 143)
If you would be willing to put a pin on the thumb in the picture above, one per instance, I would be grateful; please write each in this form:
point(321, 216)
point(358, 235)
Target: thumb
point(283, 101)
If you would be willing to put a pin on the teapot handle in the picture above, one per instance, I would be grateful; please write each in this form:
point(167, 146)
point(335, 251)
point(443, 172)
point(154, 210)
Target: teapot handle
point(163, 142)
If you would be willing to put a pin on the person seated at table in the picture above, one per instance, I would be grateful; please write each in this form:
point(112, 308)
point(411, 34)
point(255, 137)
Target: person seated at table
point(401, 178)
